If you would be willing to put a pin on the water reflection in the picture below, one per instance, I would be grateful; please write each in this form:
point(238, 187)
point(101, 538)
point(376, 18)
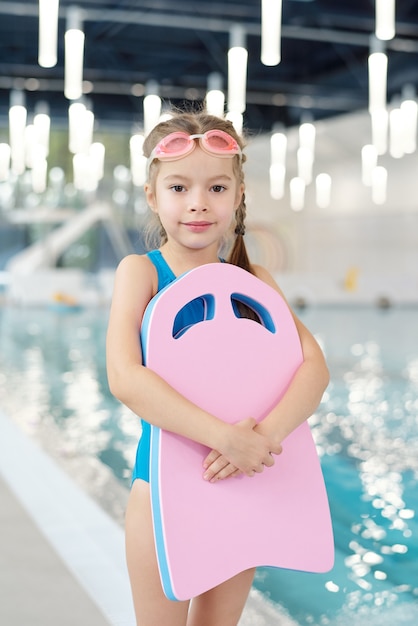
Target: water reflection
point(377, 430)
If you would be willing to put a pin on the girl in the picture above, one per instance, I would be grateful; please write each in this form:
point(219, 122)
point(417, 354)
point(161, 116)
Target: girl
point(195, 188)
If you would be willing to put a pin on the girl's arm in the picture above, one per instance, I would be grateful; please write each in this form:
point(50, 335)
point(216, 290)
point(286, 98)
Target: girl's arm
point(149, 396)
point(298, 403)
point(307, 387)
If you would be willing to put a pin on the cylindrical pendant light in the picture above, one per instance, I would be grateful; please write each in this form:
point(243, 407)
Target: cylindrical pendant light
point(48, 32)
point(278, 148)
point(30, 146)
point(81, 126)
point(396, 133)
point(39, 174)
point(379, 184)
point(277, 174)
point(409, 109)
point(307, 135)
point(271, 26)
point(323, 190)
point(237, 121)
point(305, 164)
point(17, 125)
point(97, 156)
point(385, 19)
point(237, 70)
point(152, 106)
point(297, 193)
point(215, 97)
point(74, 55)
point(42, 124)
point(378, 67)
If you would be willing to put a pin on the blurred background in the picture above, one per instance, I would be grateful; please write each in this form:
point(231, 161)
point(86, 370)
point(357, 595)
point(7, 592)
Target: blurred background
point(327, 99)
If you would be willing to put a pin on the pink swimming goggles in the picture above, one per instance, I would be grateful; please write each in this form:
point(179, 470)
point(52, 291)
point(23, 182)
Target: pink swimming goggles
point(179, 144)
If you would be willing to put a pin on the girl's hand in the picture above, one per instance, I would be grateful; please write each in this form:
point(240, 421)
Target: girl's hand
point(217, 467)
point(244, 452)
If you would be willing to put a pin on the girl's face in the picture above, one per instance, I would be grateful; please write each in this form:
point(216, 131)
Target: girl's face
point(195, 198)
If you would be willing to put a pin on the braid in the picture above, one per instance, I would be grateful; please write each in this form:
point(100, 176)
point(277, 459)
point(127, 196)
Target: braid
point(240, 219)
point(239, 255)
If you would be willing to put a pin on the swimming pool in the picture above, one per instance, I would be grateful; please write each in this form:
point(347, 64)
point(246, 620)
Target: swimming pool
point(52, 372)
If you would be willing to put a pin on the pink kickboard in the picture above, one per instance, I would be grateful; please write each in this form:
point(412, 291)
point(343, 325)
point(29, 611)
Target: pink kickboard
point(234, 368)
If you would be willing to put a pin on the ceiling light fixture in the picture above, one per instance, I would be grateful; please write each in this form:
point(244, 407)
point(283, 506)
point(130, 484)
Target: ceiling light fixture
point(307, 136)
point(278, 148)
point(306, 151)
point(277, 171)
point(237, 120)
point(17, 125)
point(396, 133)
point(48, 32)
point(81, 125)
point(378, 68)
point(215, 97)
point(379, 184)
point(74, 55)
point(409, 108)
point(271, 26)
point(368, 163)
point(42, 124)
point(39, 174)
point(323, 190)
point(237, 70)
point(97, 153)
point(277, 174)
point(385, 19)
point(152, 106)
point(305, 164)
point(297, 193)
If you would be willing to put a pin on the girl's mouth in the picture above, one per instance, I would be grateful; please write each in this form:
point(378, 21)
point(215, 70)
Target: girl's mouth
point(198, 227)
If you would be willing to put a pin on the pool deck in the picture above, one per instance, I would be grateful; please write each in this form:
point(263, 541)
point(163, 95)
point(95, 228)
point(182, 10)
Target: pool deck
point(61, 556)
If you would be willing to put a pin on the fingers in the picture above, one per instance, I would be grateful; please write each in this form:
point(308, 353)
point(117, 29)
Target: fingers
point(269, 460)
point(219, 469)
point(211, 458)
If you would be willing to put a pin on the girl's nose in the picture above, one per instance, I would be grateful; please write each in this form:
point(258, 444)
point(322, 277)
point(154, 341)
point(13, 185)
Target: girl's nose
point(198, 202)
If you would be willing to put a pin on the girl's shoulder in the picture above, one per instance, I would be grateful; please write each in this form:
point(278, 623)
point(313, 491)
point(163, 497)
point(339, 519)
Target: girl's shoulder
point(138, 271)
point(135, 263)
point(263, 274)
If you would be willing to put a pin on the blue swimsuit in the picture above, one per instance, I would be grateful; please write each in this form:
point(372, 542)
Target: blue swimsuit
point(189, 315)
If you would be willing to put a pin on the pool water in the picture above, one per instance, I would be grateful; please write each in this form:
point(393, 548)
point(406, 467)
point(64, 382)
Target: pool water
point(52, 370)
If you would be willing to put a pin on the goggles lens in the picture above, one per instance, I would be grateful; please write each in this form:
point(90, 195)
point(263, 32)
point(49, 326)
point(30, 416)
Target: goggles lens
point(179, 144)
point(175, 144)
point(220, 143)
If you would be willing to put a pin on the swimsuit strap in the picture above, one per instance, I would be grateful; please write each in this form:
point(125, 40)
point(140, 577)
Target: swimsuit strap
point(164, 271)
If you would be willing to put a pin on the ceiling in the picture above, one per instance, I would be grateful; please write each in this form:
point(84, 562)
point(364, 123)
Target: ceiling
point(323, 71)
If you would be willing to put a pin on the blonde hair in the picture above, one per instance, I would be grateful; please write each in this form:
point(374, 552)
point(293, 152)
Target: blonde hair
point(195, 123)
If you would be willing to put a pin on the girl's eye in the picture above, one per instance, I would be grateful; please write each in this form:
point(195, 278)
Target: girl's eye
point(218, 188)
point(177, 188)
